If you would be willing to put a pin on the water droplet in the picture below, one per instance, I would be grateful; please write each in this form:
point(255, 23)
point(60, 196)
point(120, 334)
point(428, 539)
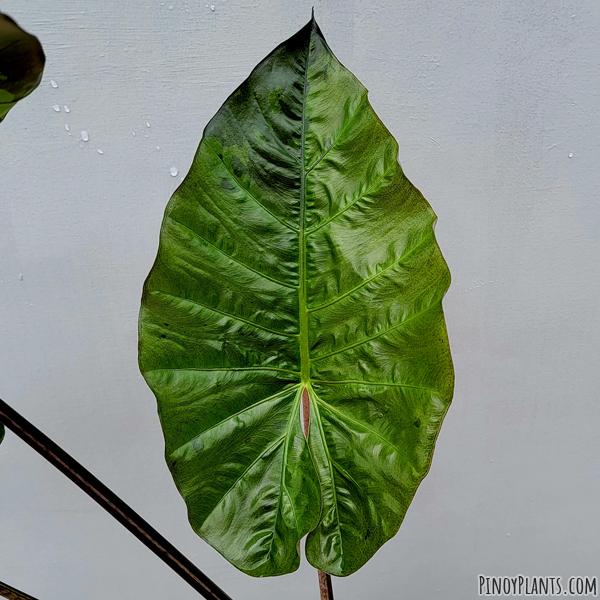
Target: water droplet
point(133, 133)
point(84, 136)
point(53, 83)
point(67, 109)
point(212, 8)
point(174, 172)
point(571, 155)
point(21, 276)
point(100, 151)
point(67, 127)
point(508, 535)
point(147, 123)
point(158, 147)
point(171, 7)
point(56, 107)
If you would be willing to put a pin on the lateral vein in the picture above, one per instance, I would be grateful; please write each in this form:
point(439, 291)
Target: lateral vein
point(341, 133)
point(225, 314)
point(351, 204)
point(373, 337)
point(237, 414)
point(369, 383)
point(235, 260)
point(250, 195)
point(427, 238)
point(366, 428)
point(226, 369)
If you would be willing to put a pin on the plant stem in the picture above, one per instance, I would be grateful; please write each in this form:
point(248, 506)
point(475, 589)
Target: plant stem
point(12, 593)
point(110, 502)
point(325, 586)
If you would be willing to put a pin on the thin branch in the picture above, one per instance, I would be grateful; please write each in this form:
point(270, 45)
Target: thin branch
point(6, 591)
point(110, 502)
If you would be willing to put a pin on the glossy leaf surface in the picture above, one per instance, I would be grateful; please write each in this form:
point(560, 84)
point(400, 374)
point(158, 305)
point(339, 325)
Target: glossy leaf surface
point(21, 64)
point(297, 255)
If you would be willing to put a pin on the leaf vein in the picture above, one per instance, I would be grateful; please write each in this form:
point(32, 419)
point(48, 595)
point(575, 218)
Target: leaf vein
point(267, 449)
point(225, 314)
point(404, 256)
point(379, 383)
point(373, 337)
point(331, 476)
point(250, 195)
point(237, 414)
point(341, 133)
point(366, 428)
point(348, 206)
point(239, 262)
point(344, 473)
point(262, 112)
point(224, 369)
point(282, 486)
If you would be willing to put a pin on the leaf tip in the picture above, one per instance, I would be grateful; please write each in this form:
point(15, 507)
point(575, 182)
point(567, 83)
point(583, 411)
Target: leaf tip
point(312, 25)
point(313, 21)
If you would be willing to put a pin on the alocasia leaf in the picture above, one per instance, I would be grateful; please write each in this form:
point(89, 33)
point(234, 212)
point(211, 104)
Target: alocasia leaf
point(2, 432)
point(21, 64)
point(296, 256)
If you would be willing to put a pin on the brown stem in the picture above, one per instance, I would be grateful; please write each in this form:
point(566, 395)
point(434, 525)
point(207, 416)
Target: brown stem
point(111, 503)
point(13, 594)
point(325, 586)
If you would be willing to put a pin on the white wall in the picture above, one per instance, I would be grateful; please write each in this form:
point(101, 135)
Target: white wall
point(495, 106)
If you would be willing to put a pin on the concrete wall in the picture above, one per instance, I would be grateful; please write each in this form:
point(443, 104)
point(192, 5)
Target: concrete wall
point(495, 106)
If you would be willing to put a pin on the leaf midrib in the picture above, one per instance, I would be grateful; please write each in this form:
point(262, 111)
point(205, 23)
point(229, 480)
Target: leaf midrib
point(303, 300)
point(302, 296)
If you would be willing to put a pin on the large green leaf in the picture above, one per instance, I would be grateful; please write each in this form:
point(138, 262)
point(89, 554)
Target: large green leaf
point(21, 64)
point(297, 255)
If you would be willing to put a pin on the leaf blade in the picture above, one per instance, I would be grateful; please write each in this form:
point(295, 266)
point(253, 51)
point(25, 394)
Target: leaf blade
point(21, 64)
point(309, 262)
